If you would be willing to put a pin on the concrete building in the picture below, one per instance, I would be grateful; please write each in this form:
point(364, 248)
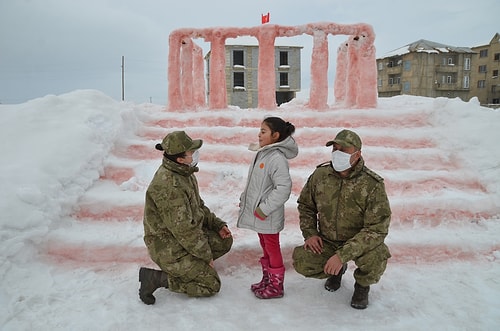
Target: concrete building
point(485, 83)
point(430, 69)
point(242, 68)
point(426, 68)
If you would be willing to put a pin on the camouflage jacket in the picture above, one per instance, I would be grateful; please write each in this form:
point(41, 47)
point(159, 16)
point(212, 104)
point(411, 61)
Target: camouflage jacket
point(176, 216)
point(353, 210)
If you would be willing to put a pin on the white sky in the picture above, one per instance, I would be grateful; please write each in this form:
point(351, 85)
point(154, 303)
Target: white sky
point(57, 46)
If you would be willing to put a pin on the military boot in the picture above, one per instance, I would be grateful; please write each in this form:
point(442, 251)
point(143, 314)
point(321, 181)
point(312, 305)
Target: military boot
point(333, 282)
point(151, 280)
point(360, 297)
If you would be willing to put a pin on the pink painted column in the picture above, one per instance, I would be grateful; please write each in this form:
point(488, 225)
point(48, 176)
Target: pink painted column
point(367, 86)
point(352, 78)
point(339, 86)
point(174, 74)
point(217, 86)
point(318, 95)
point(266, 71)
point(187, 73)
point(198, 77)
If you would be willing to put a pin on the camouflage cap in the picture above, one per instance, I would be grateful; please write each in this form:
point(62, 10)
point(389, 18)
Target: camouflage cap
point(178, 142)
point(346, 138)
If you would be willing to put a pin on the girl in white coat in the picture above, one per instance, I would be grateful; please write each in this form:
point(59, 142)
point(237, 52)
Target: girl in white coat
point(262, 204)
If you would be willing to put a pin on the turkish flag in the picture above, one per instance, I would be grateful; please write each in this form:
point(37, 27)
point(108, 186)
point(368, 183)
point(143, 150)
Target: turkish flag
point(265, 18)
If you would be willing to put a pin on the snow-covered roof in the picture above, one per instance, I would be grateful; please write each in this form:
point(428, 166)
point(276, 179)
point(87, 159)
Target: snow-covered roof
point(427, 46)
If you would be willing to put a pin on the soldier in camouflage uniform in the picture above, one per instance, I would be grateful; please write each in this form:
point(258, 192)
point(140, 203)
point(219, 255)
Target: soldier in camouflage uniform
point(182, 235)
point(344, 216)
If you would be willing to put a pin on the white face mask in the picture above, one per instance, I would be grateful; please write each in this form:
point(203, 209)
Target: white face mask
point(196, 158)
point(341, 161)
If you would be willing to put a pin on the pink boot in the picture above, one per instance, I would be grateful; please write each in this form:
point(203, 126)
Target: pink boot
point(275, 287)
point(265, 276)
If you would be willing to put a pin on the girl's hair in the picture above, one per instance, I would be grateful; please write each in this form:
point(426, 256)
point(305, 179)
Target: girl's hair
point(276, 124)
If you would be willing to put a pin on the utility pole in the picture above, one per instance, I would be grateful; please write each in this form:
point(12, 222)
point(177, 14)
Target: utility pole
point(123, 78)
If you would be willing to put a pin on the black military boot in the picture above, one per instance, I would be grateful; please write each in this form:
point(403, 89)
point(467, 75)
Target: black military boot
point(360, 297)
point(333, 282)
point(151, 280)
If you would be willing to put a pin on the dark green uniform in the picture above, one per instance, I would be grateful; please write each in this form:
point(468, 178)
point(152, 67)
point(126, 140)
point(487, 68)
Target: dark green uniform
point(181, 233)
point(352, 217)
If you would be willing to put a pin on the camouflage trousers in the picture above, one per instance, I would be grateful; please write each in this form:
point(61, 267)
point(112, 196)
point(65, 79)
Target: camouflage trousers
point(193, 276)
point(370, 266)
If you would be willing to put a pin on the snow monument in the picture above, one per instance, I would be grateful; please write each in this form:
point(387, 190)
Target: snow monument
point(355, 84)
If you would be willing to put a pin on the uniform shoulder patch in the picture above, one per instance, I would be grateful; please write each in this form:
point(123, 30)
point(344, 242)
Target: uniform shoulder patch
point(373, 174)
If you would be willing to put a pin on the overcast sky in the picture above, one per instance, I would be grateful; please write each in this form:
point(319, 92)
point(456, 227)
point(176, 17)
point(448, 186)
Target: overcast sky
point(57, 46)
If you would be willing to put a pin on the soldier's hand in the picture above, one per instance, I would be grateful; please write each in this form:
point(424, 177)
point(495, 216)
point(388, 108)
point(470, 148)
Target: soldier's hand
point(314, 244)
point(211, 264)
point(225, 232)
point(333, 265)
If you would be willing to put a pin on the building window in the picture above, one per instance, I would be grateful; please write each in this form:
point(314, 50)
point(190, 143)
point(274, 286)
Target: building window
point(495, 73)
point(238, 58)
point(481, 83)
point(283, 58)
point(450, 61)
point(467, 63)
point(284, 79)
point(406, 87)
point(238, 79)
point(380, 66)
point(466, 81)
point(483, 53)
point(379, 82)
point(449, 80)
point(497, 56)
point(482, 68)
point(407, 65)
point(393, 79)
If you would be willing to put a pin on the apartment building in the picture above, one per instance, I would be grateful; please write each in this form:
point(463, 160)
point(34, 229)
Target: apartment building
point(242, 68)
point(431, 69)
point(425, 68)
point(484, 74)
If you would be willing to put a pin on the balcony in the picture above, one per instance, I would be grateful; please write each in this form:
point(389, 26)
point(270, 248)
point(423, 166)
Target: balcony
point(394, 70)
point(446, 68)
point(390, 88)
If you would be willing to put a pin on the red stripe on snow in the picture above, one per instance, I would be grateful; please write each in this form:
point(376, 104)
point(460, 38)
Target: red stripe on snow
point(402, 254)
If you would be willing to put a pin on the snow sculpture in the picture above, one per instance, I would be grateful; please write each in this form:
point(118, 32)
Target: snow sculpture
point(355, 83)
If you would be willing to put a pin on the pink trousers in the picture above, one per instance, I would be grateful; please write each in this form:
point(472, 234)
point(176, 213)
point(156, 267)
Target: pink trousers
point(271, 249)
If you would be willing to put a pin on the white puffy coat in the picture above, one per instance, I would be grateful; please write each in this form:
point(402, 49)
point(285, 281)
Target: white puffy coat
point(268, 186)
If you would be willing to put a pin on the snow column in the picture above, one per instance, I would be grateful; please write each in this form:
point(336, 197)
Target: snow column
point(339, 89)
point(266, 71)
point(198, 78)
point(318, 95)
point(367, 89)
point(174, 74)
point(218, 96)
point(352, 74)
point(187, 73)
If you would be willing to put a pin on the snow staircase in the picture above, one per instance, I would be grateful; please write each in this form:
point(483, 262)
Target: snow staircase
point(401, 145)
